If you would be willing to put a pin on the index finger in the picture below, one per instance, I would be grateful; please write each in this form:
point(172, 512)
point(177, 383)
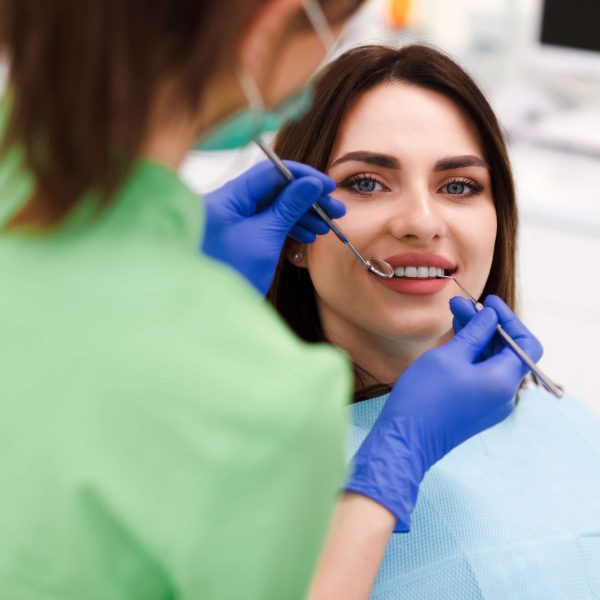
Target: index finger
point(265, 182)
point(515, 328)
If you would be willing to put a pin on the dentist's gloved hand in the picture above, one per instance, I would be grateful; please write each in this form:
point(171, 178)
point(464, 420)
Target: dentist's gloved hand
point(463, 311)
point(249, 218)
point(446, 396)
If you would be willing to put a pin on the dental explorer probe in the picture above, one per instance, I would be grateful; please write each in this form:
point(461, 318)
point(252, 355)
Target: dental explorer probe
point(375, 265)
point(546, 381)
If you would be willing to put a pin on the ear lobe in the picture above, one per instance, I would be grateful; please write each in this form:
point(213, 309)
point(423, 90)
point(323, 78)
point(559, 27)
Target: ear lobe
point(295, 254)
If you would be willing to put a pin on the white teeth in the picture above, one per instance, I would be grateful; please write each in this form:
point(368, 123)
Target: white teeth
point(419, 272)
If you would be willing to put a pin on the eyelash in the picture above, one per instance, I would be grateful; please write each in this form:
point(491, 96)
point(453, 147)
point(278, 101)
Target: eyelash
point(351, 181)
point(475, 188)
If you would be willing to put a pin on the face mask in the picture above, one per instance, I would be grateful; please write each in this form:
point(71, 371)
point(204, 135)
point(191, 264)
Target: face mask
point(247, 124)
point(250, 122)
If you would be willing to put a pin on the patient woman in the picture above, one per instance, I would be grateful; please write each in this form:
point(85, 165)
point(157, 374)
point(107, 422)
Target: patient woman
point(420, 163)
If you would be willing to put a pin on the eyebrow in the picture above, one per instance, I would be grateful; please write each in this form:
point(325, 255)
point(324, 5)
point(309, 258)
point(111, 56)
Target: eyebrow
point(390, 162)
point(459, 162)
point(373, 158)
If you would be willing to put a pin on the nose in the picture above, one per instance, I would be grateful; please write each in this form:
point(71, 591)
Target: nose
point(416, 217)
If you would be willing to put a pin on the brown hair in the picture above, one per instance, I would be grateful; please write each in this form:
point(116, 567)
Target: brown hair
point(311, 141)
point(83, 76)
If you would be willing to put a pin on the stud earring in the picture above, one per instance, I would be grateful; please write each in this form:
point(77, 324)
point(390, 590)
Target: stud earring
point(298, 256)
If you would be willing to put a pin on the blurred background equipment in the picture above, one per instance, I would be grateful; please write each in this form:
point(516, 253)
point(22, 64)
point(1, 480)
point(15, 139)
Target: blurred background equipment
point(567, 45)
point(399, 12)
point(568, 26)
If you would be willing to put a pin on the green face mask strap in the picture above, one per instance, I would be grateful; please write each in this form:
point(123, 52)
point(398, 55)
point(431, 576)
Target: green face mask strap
point(257, 112)
point(241, 128)
point(251, 91)
point(318, 20)
point(248, 123)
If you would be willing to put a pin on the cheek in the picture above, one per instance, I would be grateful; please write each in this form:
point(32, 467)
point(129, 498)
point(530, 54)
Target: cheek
point(476, 234)
point(487, 237)
point(330, 266)
point(338, 277)
point(330, 262)
point(320, 257)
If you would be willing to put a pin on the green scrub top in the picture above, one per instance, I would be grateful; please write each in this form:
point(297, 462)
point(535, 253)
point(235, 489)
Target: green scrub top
point(162, 434)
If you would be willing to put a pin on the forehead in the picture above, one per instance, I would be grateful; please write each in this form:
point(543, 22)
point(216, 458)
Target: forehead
point(407, 121)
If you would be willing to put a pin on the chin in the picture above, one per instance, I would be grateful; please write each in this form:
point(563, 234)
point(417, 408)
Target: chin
point(425, 330)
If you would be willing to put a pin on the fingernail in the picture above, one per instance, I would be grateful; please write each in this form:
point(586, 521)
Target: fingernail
point(328, 184)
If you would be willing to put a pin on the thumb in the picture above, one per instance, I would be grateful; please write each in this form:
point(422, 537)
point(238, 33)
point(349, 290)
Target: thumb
point(474, 337)
point(295, 200)
point(462, 310)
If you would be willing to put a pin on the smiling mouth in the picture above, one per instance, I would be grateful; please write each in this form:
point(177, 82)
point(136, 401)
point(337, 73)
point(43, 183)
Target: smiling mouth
point(415, 272)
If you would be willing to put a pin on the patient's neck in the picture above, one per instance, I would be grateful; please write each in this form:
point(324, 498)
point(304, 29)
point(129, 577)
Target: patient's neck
point(383, 359)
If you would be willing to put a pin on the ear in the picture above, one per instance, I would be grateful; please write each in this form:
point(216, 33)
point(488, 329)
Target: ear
point(263, 32)
point(296, 254)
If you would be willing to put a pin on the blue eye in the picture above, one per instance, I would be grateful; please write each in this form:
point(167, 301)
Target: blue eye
point(363, 185)
point(366, 186)
point(461, 188)
point(456, 188)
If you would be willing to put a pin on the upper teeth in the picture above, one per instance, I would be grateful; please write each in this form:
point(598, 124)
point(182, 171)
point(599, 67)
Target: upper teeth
point(418, 272)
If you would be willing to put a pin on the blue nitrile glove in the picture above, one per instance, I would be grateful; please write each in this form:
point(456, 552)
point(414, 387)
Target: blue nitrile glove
point(463, 311)
point(446, 396)
point(249, 218)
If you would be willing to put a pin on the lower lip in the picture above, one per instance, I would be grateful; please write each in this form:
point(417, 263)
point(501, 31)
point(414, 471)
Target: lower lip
point(416, 287)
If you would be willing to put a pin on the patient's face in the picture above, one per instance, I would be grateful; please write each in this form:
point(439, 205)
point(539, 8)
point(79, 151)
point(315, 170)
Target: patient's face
point(411, 171)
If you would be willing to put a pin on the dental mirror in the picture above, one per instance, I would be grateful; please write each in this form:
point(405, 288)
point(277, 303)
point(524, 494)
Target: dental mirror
point(377, 266)
point(380, 267)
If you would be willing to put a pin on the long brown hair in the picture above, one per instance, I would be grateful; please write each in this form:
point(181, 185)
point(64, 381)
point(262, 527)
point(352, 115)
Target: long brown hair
point(311, 141)
point(83, 76)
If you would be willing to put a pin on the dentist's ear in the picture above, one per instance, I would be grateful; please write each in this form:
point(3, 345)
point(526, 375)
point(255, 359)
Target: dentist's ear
point(263, 34)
